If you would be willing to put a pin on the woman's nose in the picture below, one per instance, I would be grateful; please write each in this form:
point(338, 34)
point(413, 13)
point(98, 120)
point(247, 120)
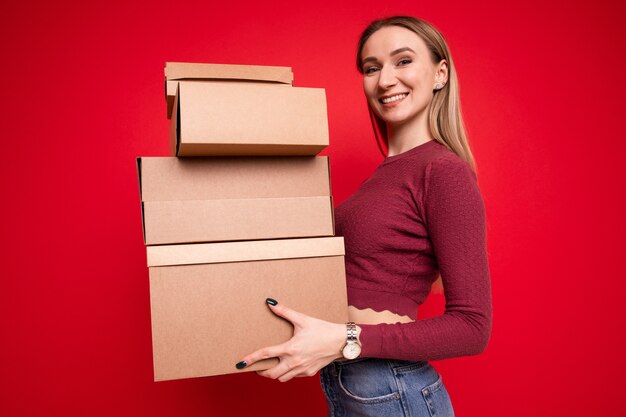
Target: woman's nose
point(387, 78)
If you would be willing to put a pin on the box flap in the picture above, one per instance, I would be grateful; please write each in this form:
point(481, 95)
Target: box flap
point(173, 113)
point(170, 178)
point(204, 253)
point(197, 71)
point(143, 221)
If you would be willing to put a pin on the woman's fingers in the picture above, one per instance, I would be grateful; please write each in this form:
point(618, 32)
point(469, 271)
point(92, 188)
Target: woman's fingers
point(285, 312)
point(277, 371)
point(265, 353)
point(284, 372)
point(296, 373)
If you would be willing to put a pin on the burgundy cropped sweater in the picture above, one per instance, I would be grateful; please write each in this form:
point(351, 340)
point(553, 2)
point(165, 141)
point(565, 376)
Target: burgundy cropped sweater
point(419, 214)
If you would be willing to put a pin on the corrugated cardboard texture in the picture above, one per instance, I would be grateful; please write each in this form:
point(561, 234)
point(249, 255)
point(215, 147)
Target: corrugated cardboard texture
point(175, 71)
point(205, 253)
point(220, 118)
point(189, 221)
point(205, 318)
point(170, 178)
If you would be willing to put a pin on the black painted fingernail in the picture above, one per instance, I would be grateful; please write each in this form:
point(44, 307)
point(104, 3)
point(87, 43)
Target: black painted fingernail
point(271, 301)
point(241, 365)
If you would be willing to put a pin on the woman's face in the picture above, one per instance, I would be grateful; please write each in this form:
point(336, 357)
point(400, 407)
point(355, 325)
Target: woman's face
point(399, 75)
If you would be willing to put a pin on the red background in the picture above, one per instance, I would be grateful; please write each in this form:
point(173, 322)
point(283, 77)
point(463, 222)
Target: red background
point(82, 96)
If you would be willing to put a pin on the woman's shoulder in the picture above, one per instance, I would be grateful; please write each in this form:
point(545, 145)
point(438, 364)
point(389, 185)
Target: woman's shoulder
point(429, 163)
point(441, 160)
point(447, 171)
point(431, 152)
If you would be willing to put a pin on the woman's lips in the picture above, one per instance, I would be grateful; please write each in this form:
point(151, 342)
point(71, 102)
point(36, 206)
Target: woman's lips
point(389, 100)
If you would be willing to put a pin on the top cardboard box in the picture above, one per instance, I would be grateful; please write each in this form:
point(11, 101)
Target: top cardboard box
point(225, 118)
point(178, 71)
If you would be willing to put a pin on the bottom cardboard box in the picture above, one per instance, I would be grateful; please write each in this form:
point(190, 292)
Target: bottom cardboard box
point(208, 300)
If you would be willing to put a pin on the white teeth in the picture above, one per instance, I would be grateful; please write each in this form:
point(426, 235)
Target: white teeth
point(394, 98)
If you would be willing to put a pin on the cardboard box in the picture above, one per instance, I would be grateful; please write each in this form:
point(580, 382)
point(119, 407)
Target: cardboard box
point(177, 71)
point(222, 118)
point(208, 300)
point(186, 200)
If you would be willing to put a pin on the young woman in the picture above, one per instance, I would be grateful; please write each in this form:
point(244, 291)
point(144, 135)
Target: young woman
point(419, 216)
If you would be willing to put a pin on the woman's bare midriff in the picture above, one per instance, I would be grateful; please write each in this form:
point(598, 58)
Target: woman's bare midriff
point(369, 316)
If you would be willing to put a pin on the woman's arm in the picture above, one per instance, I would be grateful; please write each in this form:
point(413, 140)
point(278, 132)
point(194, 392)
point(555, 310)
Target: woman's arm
point(454, 213)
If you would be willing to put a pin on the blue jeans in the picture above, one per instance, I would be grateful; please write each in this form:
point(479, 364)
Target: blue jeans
point(380, 387)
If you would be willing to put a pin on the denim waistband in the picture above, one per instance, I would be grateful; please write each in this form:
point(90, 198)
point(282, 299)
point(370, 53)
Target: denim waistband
point(391, 362)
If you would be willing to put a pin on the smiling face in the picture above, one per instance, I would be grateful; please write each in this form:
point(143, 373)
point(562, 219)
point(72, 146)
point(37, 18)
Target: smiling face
point(399, 75)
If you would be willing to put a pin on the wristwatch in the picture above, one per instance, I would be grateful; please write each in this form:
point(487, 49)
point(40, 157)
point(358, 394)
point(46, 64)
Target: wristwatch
point(352, 348)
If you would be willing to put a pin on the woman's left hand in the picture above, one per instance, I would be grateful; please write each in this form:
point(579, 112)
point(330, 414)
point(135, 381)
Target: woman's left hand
point(315, 343)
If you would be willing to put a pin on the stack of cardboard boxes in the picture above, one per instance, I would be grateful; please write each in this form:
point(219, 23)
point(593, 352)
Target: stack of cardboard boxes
point(242, 211)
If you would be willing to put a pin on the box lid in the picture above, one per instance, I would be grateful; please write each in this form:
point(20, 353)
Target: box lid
point(187, 71)
point(171, 178)
point(177, 71)
point(205, 253)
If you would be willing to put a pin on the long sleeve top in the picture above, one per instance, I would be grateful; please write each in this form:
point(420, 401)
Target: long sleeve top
point(418, 215)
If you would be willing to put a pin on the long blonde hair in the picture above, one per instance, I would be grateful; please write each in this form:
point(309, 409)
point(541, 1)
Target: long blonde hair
point(445, 119)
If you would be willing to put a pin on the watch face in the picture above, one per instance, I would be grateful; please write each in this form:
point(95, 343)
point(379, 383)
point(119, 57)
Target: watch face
point(351, 351)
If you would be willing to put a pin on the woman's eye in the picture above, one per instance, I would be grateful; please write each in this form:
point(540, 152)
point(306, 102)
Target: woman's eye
point(370, 70)
point(404, 61)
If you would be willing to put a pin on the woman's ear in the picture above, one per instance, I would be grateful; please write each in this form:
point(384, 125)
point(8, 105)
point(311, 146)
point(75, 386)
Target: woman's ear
point(441, 74)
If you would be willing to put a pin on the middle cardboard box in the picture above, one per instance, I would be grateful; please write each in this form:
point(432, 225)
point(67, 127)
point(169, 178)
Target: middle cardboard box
point(188, 200)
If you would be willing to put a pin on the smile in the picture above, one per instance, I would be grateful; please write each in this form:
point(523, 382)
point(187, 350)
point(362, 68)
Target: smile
point(387, 100)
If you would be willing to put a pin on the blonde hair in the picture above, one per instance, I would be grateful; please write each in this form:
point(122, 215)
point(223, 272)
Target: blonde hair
point(445, 119)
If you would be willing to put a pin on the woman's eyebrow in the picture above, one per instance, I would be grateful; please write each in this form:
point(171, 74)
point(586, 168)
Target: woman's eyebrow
point(394, 52)
point(368, 59)
point(400, 50)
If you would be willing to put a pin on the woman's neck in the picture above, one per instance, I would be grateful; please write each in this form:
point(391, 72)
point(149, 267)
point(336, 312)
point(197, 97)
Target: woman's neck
point(407, 136)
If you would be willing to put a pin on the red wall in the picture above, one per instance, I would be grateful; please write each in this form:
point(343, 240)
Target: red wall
point(82, 96)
